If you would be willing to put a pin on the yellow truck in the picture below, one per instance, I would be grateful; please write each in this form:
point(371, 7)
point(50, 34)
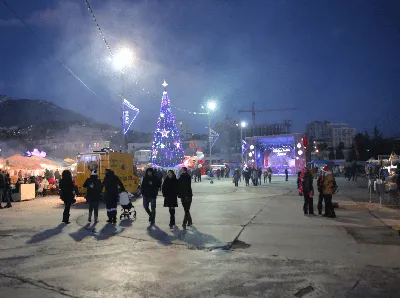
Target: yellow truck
point(120, 163)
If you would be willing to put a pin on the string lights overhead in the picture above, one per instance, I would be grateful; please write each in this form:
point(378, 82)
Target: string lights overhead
point(58, 58)
point(139, 85)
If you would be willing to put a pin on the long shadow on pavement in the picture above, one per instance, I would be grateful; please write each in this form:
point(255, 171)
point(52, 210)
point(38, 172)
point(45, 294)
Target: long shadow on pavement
point(191, 236)
point(46, 234)
point(162, 237)
point(126, 223)
point(82, 233)
point(197, 239)
point(108, 231)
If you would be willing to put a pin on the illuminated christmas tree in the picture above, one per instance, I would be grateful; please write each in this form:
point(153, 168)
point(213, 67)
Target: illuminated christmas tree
point(166, 150)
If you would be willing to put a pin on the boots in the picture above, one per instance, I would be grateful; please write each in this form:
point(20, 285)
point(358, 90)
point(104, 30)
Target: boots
point(184, 221)
point(66, 219)
point(172, 217)
point(109, 217)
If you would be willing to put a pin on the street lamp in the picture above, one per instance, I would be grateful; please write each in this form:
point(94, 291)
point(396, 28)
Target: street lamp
point(122, 59)
point(211, 107)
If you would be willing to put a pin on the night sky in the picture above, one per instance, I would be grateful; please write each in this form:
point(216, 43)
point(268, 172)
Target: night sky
point(335, 60)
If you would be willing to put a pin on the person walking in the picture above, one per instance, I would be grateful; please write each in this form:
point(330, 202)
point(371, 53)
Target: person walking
point(2, 186)
point(259, 173)
point(150, 187)
point(94, 188)
point(299, 184)
point(170, 193)
point(185, 194)
point(265, 176)
point(286, 175)
point(329, 186)
point(218, 172)
point(67, 194)
point(255, 176)
point(308, 192)
point(113, 186)
point(236, 177)
point(320, 188)
point(7, 189)
point(269, 174)
point(57, 175)
point(246, 175)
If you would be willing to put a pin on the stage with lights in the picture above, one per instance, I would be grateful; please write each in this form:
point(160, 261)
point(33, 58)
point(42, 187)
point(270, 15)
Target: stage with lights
point(276, 152)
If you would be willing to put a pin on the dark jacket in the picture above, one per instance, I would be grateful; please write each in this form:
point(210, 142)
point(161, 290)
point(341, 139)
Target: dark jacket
point(308, 184)
point(170, 192)
point(150, 185)
point(111, 184)
point(67, 189)
point(2, 181)
point(236, 175)
point(185, 186)
point(94, 188)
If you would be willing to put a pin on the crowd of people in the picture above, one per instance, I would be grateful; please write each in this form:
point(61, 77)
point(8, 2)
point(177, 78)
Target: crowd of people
point(255, 175)
point(49, 181)
point(171, 187)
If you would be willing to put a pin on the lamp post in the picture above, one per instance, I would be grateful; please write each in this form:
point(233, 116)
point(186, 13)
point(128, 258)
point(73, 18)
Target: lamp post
point(211, 107)
point(242, 124)
point(121, 60)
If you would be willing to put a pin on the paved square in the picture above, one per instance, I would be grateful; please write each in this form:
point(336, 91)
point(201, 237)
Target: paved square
point(245, 242)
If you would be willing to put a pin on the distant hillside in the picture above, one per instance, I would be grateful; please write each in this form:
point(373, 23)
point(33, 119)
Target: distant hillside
point(26, 112)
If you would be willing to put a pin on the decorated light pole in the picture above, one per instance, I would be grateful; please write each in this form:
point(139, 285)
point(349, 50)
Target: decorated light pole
point(121, 60)
point(211, 107)
point(304, 140)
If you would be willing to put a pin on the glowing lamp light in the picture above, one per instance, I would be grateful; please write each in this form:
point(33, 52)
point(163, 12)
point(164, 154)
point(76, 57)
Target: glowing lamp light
point(300, 152)
point(243, 124)
point(123, 58)
point(251, 147)
point(250, 154)
point(298, 145)
point(211, 105)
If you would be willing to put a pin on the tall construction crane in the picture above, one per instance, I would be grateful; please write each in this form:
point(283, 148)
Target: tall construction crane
point(253, 112)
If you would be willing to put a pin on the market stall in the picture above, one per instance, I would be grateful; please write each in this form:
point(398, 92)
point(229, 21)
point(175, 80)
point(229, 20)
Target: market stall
point(18, 165)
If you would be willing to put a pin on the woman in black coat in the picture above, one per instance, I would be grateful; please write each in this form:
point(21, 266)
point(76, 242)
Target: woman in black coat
point(67, 193)
point(170, 193)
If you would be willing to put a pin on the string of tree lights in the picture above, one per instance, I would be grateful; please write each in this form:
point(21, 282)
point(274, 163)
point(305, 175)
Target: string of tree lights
point(57, 58)
point(137, 83)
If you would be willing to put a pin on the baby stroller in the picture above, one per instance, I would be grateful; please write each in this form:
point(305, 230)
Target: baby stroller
point(125, 200)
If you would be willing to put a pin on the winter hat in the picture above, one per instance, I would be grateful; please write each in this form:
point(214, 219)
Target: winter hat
point(326, 169)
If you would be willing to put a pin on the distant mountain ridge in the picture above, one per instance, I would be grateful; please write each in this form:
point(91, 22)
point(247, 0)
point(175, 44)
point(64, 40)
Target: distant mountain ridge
point(26, 112)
